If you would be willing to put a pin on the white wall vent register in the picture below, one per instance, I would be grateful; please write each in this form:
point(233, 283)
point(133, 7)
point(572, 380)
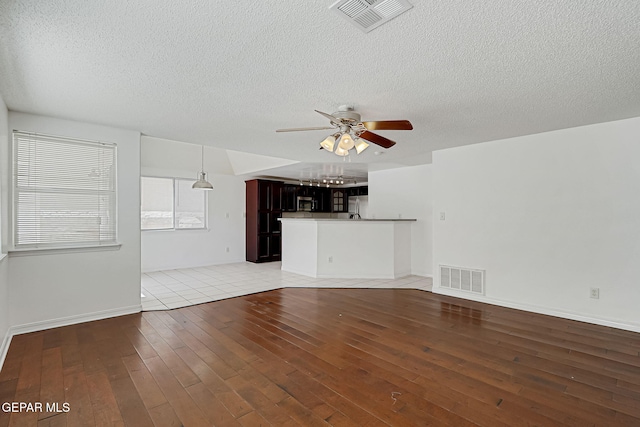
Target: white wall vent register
point(464, 279)
point(369, 14)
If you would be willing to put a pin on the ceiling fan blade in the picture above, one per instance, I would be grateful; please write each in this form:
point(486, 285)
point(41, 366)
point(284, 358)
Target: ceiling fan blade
point(389, 125)
point(334, 120)
point(301, 129)
point(377, 139)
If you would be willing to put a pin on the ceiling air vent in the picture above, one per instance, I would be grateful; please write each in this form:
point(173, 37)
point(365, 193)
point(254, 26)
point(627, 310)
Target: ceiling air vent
point(369, 14)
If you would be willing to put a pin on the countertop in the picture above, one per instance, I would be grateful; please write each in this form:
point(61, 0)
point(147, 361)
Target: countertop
point(347, 219)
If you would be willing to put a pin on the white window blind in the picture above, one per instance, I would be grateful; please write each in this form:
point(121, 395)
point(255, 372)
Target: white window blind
point(64, 192)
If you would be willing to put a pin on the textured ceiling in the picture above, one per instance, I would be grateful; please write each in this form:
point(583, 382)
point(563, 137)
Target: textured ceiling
point(227, 74)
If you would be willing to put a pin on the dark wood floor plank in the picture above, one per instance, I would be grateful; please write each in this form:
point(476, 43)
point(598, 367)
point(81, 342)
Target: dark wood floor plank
point(341, 357)
point(165, 334)
point(144, 382)
point(105, 407)
point(59, 420)
point(334, 398)
point(235, 404)
point(139, 342)
point(203, 371)
point(29, 380)
point(253, 419)
point(130, 403)
point(76, 391)
point(262, 404)
point(7, 393)
point(52, 379)
point(188, 412)
point(212, 408)
point(164, 416)
point(11, 368)
point(180, 370)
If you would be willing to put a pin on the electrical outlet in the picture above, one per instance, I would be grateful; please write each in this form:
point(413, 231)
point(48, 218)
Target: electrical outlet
point(227, 215)
point(330, 259)
point(595, 293)
point(442, 216)
point(227, 249)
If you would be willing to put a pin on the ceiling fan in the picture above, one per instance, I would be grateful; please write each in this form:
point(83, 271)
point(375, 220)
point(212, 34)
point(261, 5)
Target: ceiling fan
point(351, 131)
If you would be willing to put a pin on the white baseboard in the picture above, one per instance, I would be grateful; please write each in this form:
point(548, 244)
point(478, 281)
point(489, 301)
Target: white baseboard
point(62, 321)
point(358, 276)
point(421, 273)
point(163, 267)
point(4, 347)
point(633, 327)
point(72, 320)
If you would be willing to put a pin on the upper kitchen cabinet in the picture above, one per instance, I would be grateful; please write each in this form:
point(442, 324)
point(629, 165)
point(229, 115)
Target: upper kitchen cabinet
point(264, 207)
point(289, 200)
point(339, 200)
point(324, 200)
point(320, 197)
point(363, 190)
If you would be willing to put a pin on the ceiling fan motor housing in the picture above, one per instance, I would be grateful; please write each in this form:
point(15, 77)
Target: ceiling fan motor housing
point(347, 114)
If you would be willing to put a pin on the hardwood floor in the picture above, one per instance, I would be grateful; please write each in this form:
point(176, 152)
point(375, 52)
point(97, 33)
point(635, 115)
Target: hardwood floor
point(342, 357)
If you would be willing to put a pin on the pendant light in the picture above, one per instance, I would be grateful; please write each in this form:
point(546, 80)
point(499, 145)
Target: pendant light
point(202, 183)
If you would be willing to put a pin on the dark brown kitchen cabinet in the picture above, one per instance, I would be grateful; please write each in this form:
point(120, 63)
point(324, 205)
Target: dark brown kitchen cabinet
point(264, 207)
point(339, 200)
point(324, 200)
point(289, 198)
point(363, 190)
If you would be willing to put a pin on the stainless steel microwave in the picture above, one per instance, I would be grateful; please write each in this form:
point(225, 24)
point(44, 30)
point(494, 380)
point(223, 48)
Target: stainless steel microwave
point(305, 204)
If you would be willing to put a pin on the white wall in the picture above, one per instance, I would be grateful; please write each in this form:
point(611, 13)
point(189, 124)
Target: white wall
point(548, 216)
point(406, 193)
point(162, 249)
point(67, 287)
point(4, 279)
point(346, 249)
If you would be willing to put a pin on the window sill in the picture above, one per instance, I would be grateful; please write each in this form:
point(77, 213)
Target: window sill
point(76, 249)
point(165, 230)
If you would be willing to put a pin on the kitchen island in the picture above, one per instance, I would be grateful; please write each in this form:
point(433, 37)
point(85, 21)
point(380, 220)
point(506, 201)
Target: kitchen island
point(347, 248)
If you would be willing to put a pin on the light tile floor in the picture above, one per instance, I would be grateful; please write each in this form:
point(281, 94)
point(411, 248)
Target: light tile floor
point(162, 290)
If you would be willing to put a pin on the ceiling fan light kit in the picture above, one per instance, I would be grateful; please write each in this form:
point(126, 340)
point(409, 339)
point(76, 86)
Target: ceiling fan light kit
point(352, 131)
point(341, 152)
point(329, 142)
point(361, 145)
point(346, 142)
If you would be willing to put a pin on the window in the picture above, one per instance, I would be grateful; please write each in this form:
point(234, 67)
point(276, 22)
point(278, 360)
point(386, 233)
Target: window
point(171, 204)
point(64, 192)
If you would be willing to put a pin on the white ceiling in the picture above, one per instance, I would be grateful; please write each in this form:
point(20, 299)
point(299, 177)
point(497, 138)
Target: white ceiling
point(227, 74)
